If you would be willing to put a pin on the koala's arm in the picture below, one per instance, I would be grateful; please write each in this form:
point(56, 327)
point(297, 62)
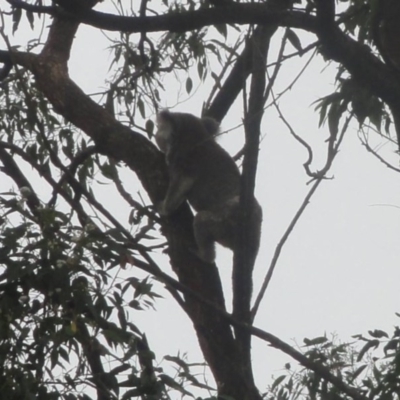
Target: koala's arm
point(178, 188)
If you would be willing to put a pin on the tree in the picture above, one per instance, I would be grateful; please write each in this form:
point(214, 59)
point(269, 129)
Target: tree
point(63, 299)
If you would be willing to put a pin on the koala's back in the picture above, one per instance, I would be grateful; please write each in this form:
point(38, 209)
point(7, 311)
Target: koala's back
point(197, 155)
point(217, 179)
point(203, 173)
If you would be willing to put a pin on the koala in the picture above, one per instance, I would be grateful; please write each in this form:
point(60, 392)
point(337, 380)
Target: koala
point(205, 175)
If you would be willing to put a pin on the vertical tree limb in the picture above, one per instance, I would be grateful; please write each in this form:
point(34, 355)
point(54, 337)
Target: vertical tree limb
point(246, 243)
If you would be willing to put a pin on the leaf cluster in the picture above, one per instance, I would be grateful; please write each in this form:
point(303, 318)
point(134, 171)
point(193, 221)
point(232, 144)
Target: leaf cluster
point(370, 363)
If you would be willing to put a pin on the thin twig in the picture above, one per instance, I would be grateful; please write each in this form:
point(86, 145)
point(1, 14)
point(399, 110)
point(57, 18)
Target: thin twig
point(319, 369)
point(319, 177)
point(364, 142)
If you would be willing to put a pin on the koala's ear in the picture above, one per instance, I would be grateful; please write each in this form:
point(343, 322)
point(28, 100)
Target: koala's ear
point(211, 125)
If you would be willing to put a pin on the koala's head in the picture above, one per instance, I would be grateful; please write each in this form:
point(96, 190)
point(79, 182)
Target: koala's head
point(183, 129)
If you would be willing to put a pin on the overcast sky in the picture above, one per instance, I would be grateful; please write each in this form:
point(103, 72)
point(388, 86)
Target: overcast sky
point(339, 272)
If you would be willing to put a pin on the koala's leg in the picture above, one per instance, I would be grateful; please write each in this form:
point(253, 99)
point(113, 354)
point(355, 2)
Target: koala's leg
point(203, 233)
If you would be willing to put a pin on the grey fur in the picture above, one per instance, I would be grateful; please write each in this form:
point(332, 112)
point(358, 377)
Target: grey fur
point(204, 174)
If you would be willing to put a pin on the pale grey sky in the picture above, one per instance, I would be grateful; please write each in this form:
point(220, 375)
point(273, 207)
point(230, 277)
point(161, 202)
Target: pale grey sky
point(339, 271)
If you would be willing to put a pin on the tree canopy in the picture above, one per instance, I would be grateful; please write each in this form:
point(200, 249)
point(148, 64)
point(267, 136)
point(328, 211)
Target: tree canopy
point(72, 274)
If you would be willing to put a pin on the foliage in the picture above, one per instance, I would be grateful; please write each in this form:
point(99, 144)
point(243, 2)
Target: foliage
point(370, 363)
point(65, 292)
point(73, 276)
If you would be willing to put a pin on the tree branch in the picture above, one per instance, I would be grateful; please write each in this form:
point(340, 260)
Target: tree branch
point(11, 168)
point(318, 368)
point(233, 84)
point(250, 214)
point(246, 13)
point(365, 68)
point(119, 142)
